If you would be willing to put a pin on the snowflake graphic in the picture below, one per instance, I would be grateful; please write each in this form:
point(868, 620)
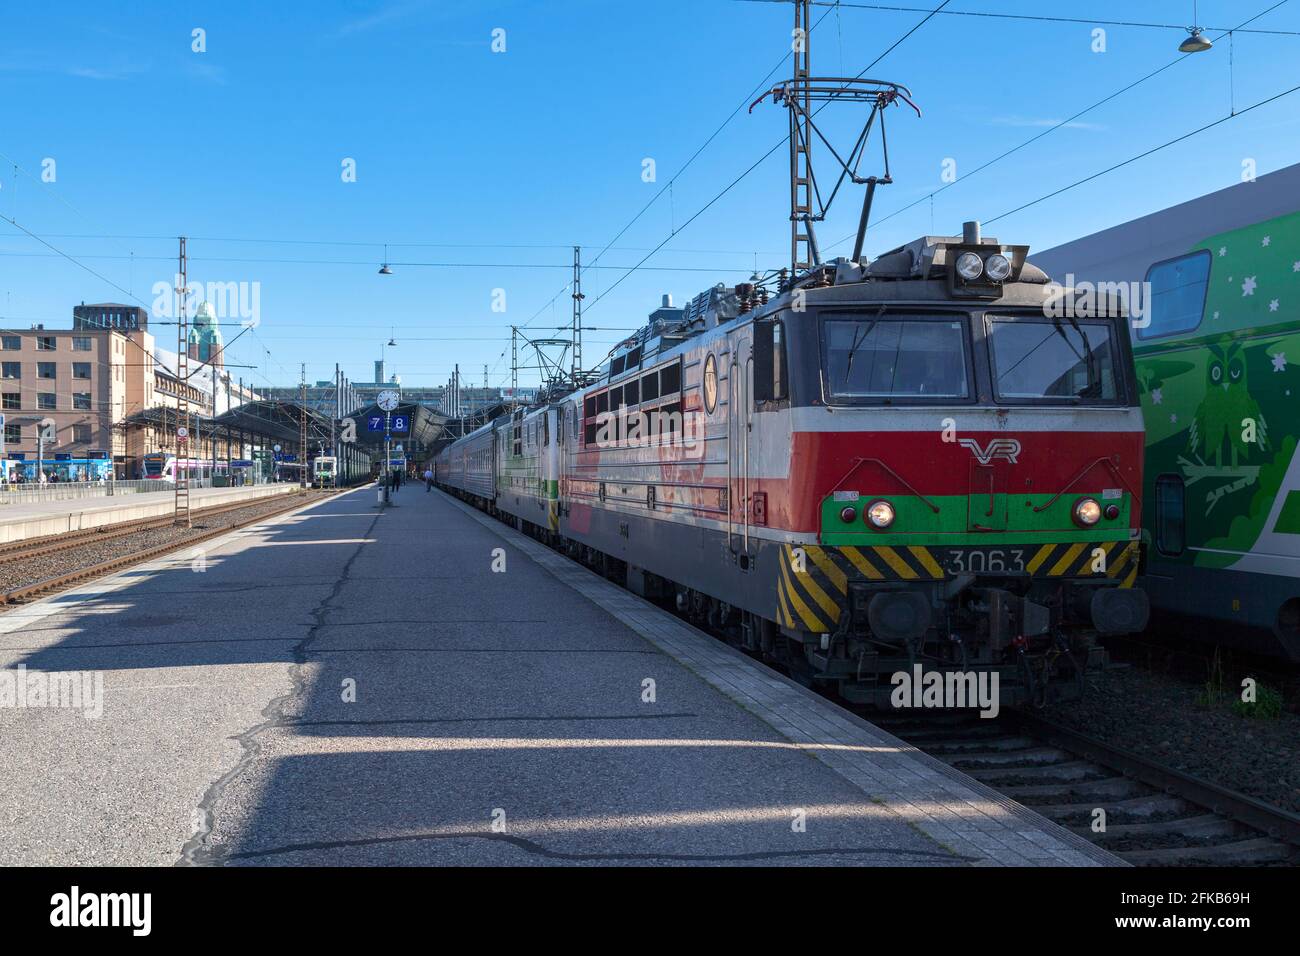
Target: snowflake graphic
point(1248, 287)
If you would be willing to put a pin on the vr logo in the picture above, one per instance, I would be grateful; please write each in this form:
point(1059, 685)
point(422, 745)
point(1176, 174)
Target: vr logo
point(1008, 448)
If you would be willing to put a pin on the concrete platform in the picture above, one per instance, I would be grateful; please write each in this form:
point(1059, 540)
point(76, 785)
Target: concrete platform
point(351, 686)
point(18, 522)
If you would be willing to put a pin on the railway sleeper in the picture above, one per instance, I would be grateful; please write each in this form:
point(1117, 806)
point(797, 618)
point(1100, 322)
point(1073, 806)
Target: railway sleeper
point(1256, 851)
point(1150, 805)
point(1205, 826)
point(1029, 757)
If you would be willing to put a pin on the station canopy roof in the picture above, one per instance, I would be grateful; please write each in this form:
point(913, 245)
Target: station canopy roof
point(273, 421)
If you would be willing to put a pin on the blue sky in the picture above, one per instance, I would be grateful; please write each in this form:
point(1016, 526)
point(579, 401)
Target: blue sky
point(495, 164)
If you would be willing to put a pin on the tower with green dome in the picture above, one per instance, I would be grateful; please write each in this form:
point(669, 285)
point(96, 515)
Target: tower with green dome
point(205, 343)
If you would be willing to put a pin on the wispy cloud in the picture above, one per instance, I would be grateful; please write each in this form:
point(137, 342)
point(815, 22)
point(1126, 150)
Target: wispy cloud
point(206, 71)
point(386, 14)
point(97, 73)
point(1037, 123)
point(31, 62)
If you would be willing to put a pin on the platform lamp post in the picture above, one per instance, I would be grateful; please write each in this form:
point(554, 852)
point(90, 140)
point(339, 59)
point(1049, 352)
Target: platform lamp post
point(387, 400)
point(45, 431)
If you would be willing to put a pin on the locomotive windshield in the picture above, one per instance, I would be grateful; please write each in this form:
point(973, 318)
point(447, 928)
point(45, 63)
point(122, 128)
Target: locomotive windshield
point(1058, 360)
point(888, 358)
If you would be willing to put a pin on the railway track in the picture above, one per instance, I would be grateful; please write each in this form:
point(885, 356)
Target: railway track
point(42, 547)
point(1155, 815)
point(67, 540)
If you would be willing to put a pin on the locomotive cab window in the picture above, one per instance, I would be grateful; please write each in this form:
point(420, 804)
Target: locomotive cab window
point(1053, 361)
point(888, 359)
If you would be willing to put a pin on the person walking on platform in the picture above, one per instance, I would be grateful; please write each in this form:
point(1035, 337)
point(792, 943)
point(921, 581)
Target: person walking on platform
point(428, 480)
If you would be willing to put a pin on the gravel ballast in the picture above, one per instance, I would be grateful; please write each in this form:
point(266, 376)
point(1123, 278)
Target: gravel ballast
point(1167, 719)
point(22, 572)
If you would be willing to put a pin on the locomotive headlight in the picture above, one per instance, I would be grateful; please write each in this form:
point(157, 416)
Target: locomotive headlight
point(997, 267)
point(880, 514)
point(969, 266)
point(1087, 512)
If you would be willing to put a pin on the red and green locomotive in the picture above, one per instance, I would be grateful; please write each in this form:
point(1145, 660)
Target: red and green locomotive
point(933, 459)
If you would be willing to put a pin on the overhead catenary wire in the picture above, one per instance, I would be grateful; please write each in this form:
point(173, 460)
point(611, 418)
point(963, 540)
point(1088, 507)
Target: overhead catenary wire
point(667, 187)
point(1146, 153)
point(1028, 17)
point(782, 142)
point(1046, 132)
point(344, 262)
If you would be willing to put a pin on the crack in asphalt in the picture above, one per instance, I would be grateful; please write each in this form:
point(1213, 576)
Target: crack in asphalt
point(488, 650)
point(197, 850)
point(481, 720)
point(534, 848)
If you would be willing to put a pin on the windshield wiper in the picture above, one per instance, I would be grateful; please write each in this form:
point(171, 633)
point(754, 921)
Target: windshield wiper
point(1093, 388)
point(859, 342)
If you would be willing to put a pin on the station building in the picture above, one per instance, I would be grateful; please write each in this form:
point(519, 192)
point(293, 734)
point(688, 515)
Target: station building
point(94, 381)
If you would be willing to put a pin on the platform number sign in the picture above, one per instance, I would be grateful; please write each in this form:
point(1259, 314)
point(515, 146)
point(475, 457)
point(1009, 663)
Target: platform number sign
point(375, 423)
point(401, 423)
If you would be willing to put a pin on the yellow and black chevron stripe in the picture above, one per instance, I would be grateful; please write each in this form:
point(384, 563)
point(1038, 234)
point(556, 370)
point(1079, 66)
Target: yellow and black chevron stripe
point(814, 581)
point(812, 590)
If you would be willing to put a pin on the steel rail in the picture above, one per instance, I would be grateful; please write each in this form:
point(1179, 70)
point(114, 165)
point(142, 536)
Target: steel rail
point(28, 591)
point(67, 540)
point(1274, 821)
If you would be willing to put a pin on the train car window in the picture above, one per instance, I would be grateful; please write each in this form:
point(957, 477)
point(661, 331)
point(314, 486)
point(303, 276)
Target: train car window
point(1176, 302)
point(634, 358)
point(1171, 515)
point(670, 418)
point(892, 358)
point(632, 392)
point(589, 406)
point(769, 362)
point(780, 388)
point(546, 429)
point(1053, 361)
point(615, 398)
point(650, 387)
point(670, 379)
point(573, 414)
point(616, 367)
point(602, 402)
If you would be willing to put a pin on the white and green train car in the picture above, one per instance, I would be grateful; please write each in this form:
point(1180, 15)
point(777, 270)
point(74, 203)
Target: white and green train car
point(1214, 291)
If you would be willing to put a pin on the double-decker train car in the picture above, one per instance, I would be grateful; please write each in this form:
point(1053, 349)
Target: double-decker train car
point(1214, 285)
point(929, 460)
